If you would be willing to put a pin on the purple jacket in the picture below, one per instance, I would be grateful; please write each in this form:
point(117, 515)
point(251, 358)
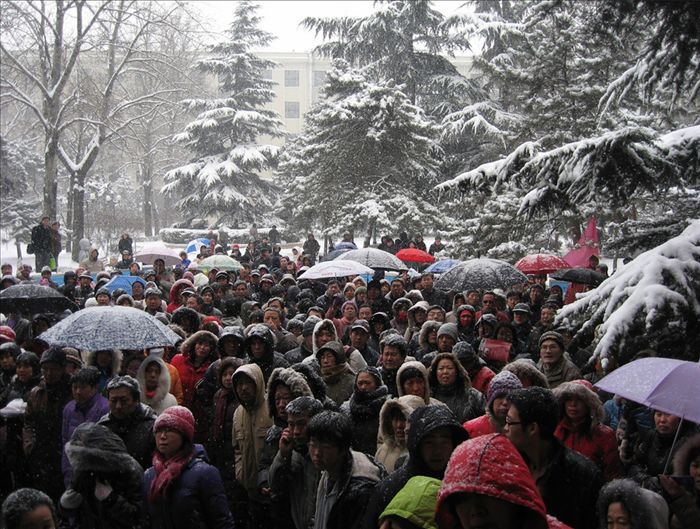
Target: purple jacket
point(74, 417)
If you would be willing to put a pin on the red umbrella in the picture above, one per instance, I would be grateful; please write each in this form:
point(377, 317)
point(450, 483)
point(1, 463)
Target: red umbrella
point(414, 255)
point(541, 263)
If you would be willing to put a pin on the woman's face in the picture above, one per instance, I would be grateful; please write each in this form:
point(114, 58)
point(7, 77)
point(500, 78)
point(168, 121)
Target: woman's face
point(202, 350)
point(576, 410)
point(446, 372)
point(169, 442)
point(24, 372)
point(327, 360)
point(227, 378)
point(694, 472)
point(366, 383)
point(666, 424)
point(618, 517)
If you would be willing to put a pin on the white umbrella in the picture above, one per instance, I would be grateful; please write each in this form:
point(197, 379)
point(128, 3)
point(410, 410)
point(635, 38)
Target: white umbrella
point(330, 269)
point(150, 253)
point(374, 258)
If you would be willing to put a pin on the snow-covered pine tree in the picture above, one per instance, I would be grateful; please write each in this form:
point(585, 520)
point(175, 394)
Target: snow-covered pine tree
point(222, 179)
point(366, 160)
point(652, 302)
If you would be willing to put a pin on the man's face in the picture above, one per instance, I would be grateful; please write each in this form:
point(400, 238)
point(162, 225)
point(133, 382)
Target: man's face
point(420, 315)
point(325, 455)
point(122, 403)
point(45, 222)
point(397, 289)
point(436, 449)
point(445, 343)
point(366, 383)
point(327, 360)
point(137, 289)
point(365, 313)
point(257, 347)
point(298, 426)
point(283, 396)
point(512, 301)
point(323, 337)
point(245, 389)
point(153, 302)
point(102, 299)
point(536, 295)
point(488, 303)
point(272, 319)
point(427, 282)
point(159, 266)
point(398, 426)
point(514, 430)
point(435, 315)
point(473, 298)
point(208, 297)
point(358, 338)
point(6, 270)
point(547, 316)
point(466, 318)
point(333, 289)
point(265, 285)
point(414, 386)
point(52, 372)
point(520, 318)
point(241, 291)
point(193, 303)
point(391, 357)
point(7, 362)
point(103, 359)
point(82, 393)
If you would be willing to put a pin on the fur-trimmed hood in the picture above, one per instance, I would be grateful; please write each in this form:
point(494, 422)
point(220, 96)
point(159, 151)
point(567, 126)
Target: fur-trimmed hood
point(163, 380)
point(294, 380)
point(526, 369)
point(405, 405)
point(423, 371)
point(684, 455)
point(95, 448)
point(427, 327)
point(179, 286)
point(117, 357)
point(322, 325)
point(187, 347)
point(412, 314)
point(462, 376)
point(569, 390)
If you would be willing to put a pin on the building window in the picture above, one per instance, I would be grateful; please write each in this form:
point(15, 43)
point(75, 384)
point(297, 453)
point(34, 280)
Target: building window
point(291, 109)
point(291, 78)
point(267, 74)
point(319, 78)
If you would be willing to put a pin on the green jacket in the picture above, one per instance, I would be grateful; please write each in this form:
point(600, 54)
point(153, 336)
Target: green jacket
point(415, 502)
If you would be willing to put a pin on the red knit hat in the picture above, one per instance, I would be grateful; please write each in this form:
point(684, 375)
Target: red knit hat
point(176, 418)
point(7, 334)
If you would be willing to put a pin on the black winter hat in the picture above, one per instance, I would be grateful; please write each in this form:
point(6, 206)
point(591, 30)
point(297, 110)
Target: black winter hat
point(552, 335)
point(309, 325)
point(53, 354)
point(10, 348)
point(28, 358)
point(426, 419)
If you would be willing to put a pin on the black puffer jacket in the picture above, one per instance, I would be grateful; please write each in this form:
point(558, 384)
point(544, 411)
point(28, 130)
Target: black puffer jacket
point(271, 359)
point(465, 402)
point(363, 410)
point(423, 421)
point(136, 432)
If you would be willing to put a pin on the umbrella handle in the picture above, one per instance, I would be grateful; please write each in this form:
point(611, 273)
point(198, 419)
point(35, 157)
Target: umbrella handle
point(670, 452)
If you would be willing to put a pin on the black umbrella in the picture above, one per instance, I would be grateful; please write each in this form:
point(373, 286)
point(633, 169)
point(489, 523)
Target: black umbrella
point(33, 299)
point(100, 328)
point(480, 274)
point(584, 276)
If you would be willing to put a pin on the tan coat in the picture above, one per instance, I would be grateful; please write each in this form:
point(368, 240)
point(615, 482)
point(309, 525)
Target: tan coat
point(250, 425)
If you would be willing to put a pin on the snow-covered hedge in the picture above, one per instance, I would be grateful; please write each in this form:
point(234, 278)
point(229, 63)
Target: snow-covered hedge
point(652, 302)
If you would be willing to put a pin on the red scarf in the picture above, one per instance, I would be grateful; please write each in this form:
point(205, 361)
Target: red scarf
point(220, 405)
point(167, 472)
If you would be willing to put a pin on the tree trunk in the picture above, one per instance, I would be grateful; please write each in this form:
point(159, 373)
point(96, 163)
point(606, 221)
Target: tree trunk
point(148, 209)
point(50, 177)
point(70, 241)
point(18, 245)
point(78, 212)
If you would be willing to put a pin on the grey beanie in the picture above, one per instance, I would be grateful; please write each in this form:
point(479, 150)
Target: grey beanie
point(309, 325)
point(125, 381)
point(449, 329)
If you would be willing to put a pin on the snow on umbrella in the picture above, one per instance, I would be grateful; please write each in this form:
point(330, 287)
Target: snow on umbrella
point(150, 253)
point(195, 244)
point(442, 266)
point(541, 263)
point(414, 255)
point(664, 384)
point(480, 274)
point(585, 276)
point(330, 269)
point(33, 299)
point(100, 328)
point(374, 258)
point(333, 255)
point(220, 262)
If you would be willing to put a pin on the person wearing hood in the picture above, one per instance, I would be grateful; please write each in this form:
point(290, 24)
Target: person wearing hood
point(176, 299)
point(623, 503)
point(427, 340)
point(108, 362)
point(391, 438)
point(325, 332)
point(284, 385)
point(182, 489)
point(363, 407)
point(400, 309)
point(348, 311)
point(41, 435)
point(220, 438)
point(305, 349)
point(496, 406)
point(9, 351)
point(378, 323)
point(336, 373)
point(447, 337)
point(553, 362)
point(131, 420)
point(430, 294)
point(154, 381)
point(417, 316)
point(465, 317)
point(259, 347)
point(348, 478)
point(92, 264)
point(685, 503)
point(250, 425)
point(433, 433)
point(209, 301)
point(475, 366)
point(487, 484)
point(105, 490)
point(230, 344)
point(527, 372)
point(292, 471)
point(413, 506)
point(412, 379)
point(359, 340)
point(312, 375)
point(582, 430)
point(450, 384)
point(393, 350)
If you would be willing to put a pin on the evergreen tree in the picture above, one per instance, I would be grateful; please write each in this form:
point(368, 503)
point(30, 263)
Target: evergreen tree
point(364, 160)
point(222, 179)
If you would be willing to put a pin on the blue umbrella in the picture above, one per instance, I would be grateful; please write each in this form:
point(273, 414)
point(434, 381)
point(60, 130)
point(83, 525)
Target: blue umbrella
point(442, 266)
point(194, 245)
point(123, 282)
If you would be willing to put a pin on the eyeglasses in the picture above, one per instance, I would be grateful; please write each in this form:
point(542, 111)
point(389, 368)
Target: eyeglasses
point(512, 423)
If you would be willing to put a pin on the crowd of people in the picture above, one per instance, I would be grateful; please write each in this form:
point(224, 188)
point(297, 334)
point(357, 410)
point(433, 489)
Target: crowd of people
point(297, 404)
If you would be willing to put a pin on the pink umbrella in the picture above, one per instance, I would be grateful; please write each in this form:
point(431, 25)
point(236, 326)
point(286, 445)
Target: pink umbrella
point(541, 263)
